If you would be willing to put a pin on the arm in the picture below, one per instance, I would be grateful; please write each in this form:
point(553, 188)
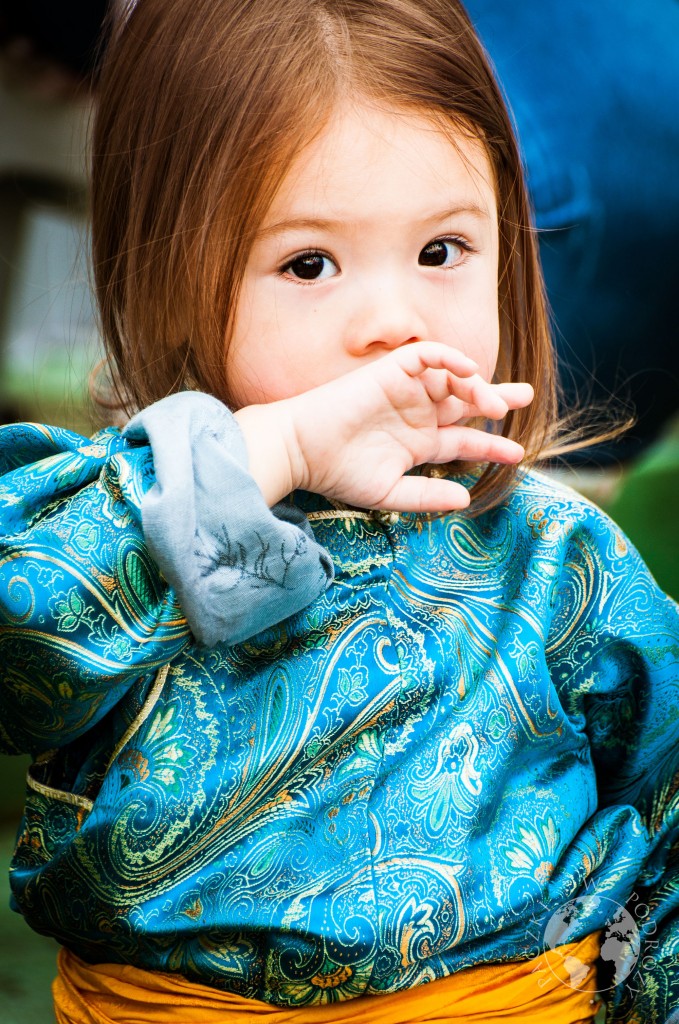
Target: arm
point(618, 654)
point(236, 566)
point(352, 439)
point(93, 531)
point(83, 610)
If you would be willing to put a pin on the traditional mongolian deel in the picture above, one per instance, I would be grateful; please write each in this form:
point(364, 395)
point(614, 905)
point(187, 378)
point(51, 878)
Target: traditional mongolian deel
point(474, 724)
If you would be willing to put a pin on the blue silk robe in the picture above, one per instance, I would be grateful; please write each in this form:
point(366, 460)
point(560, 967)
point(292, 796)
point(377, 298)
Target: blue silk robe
point(468, 739)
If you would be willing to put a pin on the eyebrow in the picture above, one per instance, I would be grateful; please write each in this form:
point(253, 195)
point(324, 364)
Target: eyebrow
point(324, 224)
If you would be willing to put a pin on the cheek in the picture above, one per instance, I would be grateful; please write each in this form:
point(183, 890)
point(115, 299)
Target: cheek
point(252, 350)
point(473, 324)
point(269, 359)
point(489, 342)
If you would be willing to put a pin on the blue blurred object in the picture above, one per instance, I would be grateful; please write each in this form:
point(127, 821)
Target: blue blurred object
point(594, 88)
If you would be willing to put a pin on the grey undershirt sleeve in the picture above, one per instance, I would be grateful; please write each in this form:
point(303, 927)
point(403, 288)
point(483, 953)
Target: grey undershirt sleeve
point(235, 565)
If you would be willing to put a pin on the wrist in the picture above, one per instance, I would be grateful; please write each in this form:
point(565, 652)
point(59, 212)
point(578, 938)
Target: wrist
point(273, 461)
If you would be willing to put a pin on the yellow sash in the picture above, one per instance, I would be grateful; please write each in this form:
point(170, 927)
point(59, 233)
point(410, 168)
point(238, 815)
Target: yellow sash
point(559, 987)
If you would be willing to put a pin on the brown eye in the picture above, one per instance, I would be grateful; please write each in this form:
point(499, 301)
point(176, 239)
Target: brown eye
point(441, 253)
point(311, 266)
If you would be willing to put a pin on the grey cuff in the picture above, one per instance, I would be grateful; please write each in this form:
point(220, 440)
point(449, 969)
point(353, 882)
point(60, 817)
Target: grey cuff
point(236, 566)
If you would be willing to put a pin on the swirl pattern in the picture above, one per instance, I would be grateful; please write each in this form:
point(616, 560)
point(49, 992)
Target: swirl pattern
point(474, 724)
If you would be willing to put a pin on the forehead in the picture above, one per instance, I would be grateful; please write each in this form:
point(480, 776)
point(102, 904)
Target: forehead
point(370, 161)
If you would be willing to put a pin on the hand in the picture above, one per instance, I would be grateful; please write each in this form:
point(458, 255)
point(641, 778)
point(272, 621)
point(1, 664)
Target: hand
point(354, 438)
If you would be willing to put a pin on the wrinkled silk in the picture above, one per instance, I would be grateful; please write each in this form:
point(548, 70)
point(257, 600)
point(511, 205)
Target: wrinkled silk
point(465, 751)
point(546, 987)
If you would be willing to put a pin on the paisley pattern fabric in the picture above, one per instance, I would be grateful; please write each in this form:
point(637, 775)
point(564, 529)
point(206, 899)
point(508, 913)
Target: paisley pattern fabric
point(469, 740)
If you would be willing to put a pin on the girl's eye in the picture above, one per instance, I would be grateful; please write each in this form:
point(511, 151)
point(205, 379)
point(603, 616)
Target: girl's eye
point(311, 266)
point(444, 252)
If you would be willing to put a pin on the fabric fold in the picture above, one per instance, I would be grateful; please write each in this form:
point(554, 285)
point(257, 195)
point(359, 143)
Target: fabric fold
point(236, 566)
point(547, 987)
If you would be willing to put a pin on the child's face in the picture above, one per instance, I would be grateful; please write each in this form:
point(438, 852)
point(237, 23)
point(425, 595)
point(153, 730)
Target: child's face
point(383, 233)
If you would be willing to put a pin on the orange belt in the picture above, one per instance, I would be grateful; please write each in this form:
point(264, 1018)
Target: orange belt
point(559, 986)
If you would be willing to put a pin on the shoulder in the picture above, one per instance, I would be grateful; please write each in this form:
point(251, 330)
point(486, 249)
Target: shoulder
point(559, 534)
point(542, 488)
point(23, 444)
point(599, 576)
point(550, 511)
point(41, 465)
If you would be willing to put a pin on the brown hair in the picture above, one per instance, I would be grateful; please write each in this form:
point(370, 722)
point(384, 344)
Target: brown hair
point(203, 105)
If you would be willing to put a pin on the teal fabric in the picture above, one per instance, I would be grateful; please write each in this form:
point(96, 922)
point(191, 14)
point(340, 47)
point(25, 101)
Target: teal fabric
point(476, 724)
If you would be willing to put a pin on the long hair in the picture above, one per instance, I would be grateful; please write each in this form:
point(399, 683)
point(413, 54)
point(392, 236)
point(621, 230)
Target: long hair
point(203, 106)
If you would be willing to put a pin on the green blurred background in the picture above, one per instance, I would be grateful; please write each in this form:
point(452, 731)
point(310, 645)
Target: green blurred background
point(48, 345)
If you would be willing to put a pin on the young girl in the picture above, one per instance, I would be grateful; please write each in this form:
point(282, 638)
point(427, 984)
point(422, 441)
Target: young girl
point(310, 742)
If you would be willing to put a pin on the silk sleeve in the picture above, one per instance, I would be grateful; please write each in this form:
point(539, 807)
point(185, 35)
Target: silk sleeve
point(617, 660)
point(118, 552)
point(84, 611)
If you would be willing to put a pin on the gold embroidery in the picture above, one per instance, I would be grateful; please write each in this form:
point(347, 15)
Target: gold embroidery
point(146, 710)
point(59, 794)
point(335, 513)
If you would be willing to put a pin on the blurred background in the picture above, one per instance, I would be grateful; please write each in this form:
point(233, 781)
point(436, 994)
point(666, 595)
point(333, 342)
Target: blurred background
point(594, 89)
point(48, 336)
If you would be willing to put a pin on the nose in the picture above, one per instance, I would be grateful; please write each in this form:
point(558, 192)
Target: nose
point(385, 315)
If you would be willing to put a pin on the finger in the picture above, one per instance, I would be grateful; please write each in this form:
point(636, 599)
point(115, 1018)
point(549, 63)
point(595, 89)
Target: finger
point(491, 400)
point(477, 397)
point(452, 410)
point(426, 494)
point(517, 396)
point(476, 445)
point(437, 384)
point(423, 355)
